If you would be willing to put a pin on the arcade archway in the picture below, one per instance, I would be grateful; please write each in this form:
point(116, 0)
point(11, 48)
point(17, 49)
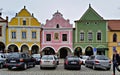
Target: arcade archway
point(25, 49)
point(48, 51)
point(12, 48)
point(35, 49)
point(63, 52)
point(78, 51)
point(2, 47)
point(89, 51)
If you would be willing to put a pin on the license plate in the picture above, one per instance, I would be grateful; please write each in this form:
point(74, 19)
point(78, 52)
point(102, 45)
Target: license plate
point(12, 61)
point(46, 61)
point(13, 67)
point(73, 62)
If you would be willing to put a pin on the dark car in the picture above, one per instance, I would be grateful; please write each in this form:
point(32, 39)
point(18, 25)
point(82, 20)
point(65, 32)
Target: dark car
point(2, 60)
point(98, 61)
point(20, 60)
point(37, 57)
point(72, 62)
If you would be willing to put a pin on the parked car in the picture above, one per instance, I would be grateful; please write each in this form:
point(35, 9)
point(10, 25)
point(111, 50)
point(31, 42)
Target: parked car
point(37, 57)
point(57, 59)
point(83, 59)
point(2, 60)
point(71, 62)
point(20, 60)
point(48, 61)
point(98, 61)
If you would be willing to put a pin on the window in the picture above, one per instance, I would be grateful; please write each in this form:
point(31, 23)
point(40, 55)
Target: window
point(99, 36)
point(64, 37)
point(0, 30)
point(48, 37)
point(114, 37)
point(33, 35)
point(90, 36)
point(81, 36)
point(57, 26)
point(24, 22)
point(23, 35)
point(13, 35)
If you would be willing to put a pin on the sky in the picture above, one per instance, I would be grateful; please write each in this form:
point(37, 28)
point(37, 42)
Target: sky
point(71, 9)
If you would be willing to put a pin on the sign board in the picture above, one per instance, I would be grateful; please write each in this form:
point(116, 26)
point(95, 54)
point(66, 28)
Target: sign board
point(95, 51)
point(114, 48)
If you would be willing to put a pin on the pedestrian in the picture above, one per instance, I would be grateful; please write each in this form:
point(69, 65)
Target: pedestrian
point(115, 60)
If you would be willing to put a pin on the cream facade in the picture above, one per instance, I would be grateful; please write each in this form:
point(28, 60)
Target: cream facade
point(23, 33)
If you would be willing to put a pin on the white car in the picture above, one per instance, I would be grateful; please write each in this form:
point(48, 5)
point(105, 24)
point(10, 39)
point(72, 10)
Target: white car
point(48, 61)
point(83, 59)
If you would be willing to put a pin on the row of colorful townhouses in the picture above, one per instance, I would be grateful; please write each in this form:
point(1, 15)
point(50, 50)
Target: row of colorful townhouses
point(91, 34)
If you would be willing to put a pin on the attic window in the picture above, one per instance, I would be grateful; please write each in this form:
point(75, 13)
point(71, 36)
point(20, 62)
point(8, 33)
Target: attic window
point(87, 23)
point(57, 26)
point(24, 21)
point(96, 23)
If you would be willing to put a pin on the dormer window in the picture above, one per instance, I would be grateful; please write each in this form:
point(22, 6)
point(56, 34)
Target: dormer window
point(24, 21)
point(57, 26)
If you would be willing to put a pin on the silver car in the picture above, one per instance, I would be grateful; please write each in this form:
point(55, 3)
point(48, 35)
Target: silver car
point(2, 60)
point(98, 61)
point(48, 61)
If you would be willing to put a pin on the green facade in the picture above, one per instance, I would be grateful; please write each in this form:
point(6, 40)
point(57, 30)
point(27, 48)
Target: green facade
point(91, 24)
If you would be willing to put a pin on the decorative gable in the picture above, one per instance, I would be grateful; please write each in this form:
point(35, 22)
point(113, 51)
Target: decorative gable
point(57, 22)
point(91, 14)
point(24, 18)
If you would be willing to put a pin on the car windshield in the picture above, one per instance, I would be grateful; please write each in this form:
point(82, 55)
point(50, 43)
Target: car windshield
point(101, 57)
point(36, 55)
point(47, 58)
point(84, 57)
point(14, 55)
point(73, 58)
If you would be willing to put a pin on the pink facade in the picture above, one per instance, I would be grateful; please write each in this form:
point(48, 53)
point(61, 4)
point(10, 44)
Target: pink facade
point(60, 35)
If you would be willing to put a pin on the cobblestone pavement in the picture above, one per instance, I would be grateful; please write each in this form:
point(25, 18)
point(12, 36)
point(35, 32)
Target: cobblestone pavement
point(58, 71)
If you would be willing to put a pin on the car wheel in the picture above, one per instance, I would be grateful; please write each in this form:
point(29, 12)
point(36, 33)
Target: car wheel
point(80, 68)
point(33, 65)
point(41, 67)
point(1, 66)
point(9, 68)
point(86, 65)
point(108, 68)
point(94, 68)
point(25, 66)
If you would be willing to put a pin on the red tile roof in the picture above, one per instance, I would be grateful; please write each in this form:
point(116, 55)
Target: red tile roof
point(114, 25)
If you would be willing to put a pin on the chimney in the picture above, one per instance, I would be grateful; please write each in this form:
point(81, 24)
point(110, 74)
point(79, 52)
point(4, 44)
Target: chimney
point(1, 12)
point(7, 18)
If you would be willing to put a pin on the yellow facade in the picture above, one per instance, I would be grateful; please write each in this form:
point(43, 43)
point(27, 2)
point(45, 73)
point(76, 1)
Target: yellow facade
point(17, 25)
point(112, 44)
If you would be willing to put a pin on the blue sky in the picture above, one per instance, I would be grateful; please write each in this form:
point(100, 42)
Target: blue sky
point(71, 9)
